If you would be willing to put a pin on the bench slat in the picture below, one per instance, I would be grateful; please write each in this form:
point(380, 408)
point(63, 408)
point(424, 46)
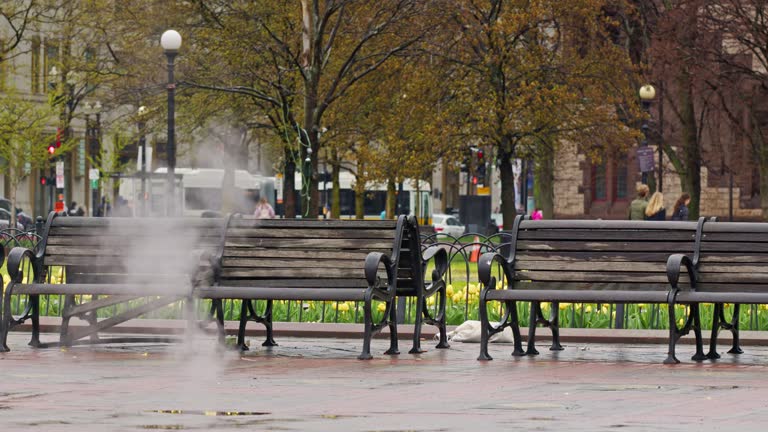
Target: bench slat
point(619, 246)
point(312, 233)
point(609, 235)
point(228, 263)
point(732, 258)
point(366, 244)
point(293, 273)
point(264, 293)
point(568, 257)
point(296, 283)
point(576, 277)
point(312, 223)
point(583, 296)
point(141, 290)
point(595, 286)
point(592, 266)
point(299, 254)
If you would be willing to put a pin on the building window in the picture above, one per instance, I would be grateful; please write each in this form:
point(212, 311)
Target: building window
point(610, 180)
point(599, 185)
point(35, 64)
point(51, 57)
point(621, 179)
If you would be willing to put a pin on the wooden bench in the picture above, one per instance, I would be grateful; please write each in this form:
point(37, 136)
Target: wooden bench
point(135, 264)
point(729, 267)
point(328, 260)
point(586, 261)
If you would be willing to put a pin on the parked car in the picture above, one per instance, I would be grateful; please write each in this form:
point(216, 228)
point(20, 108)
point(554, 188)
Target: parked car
point(447, 224)
point(5, 220)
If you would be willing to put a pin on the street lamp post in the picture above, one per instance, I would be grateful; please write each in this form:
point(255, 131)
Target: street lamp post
point(647, 93)
point(67, 82)
point(142, 114)
point(171, 42)
point(92, 132)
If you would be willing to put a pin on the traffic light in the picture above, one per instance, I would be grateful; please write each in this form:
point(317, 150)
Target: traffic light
point(43, 180)
point(58, 139)
point(464, 165)
point(51, 149)
point(481, 172)
point(47, 181)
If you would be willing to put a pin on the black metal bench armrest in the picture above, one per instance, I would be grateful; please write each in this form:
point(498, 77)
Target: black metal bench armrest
point(441, 261)
point(675, 265)
point(485, 263)
point(372, 262)
point(14, 263)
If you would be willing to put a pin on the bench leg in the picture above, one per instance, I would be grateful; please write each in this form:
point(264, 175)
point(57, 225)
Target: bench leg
point(735, 349)
point(267, 321)
point(718, 312)
point(514, 323)
point(392, 323)
point(533, 318)
point(420, 305)
point(64, 337)
point(241, 329)
point(5, 322)
point(554, 326)
point(368, 334)
point(673, 333)
point(485, 330)
point(699, 356)
point(35, 316)
point(217, 312)
point(442, 298)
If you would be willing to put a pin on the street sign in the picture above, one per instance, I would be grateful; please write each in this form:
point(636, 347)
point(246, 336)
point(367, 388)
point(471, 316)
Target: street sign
point(60, 175)
point(279, 187)
point(93, 174)
point(94, 183)
point(645, 158)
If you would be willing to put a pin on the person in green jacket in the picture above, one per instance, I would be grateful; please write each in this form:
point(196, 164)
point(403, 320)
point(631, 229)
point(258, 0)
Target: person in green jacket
point(638, 205)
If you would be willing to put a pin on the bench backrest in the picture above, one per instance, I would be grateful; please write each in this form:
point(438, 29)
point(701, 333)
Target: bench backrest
point(597, 254)
point(129, 250)
point(306, 253)
point(734, 257)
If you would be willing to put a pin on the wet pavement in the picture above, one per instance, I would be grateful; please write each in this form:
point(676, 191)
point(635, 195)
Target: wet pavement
point(316, 384)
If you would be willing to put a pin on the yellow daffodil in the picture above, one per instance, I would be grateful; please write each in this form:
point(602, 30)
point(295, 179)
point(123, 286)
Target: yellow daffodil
point(449, 290)
point(381, 307)
point(343, 307)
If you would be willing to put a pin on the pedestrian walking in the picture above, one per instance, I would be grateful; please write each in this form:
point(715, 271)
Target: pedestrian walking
point(680, 211)
point(264, 210)
point(655, 209)
point(638, 205)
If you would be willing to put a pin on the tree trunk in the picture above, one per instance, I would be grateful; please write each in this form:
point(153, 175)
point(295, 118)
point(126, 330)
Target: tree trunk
point(289, 185)
point(508, 209)
point(691, 178)
point(544, 192)
point(336, 192)
point(360, 193)
point(761, 150)
point(391, 197)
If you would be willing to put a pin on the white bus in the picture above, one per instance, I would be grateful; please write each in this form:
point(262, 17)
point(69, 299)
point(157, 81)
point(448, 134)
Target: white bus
point(198, 190)
point(416, 197)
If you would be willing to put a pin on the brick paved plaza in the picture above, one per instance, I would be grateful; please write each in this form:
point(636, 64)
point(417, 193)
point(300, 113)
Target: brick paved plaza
point(315, 384)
